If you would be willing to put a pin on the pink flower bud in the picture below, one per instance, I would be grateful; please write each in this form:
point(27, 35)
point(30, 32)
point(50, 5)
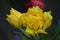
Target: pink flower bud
point(39, 3)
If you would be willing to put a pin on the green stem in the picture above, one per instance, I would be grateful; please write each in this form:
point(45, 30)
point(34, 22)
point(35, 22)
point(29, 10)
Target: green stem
point(37, 37)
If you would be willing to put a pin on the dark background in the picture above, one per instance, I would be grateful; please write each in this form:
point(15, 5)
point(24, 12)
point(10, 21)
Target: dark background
point(5, 5)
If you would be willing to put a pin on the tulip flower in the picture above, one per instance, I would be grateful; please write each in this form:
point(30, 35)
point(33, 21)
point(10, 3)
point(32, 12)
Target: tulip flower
point(34, 21)
point(32, 3)
point(14, 17)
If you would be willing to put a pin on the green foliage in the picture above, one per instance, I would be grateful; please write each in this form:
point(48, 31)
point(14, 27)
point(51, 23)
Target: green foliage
point(58, 31)
point(56, 35)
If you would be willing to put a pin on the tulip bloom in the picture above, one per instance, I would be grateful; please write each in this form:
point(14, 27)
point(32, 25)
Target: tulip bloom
point(39, 3)
point(38, 21)
point(34, 21)
point(14, 17)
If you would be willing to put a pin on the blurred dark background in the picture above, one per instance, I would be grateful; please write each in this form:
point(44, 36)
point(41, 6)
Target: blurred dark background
point(6, 30)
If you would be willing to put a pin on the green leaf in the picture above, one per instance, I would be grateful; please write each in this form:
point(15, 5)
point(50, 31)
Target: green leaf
point(29, 37)
point(57, 34)
point(58, 31)
point(23, 33)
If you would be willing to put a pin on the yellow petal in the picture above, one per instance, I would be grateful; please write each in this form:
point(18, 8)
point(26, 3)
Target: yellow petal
point(30, 11)
point(42, 31)
point(48, 20)
point(12, 20)
point(35, 11)
point(46, 25)
point(29, 31)
point(37, 23)
point(14, 24)
point(36, 8)
point(23, 20)
point(47, 16)
point(15, 12)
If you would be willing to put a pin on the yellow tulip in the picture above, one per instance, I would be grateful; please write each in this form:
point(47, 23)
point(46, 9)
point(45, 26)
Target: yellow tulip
point(34, 20)
point(13, 18)
point(38, 21)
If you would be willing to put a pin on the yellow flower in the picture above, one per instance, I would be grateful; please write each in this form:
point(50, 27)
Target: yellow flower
point(34, 20)
point(34, 24)
point(37, 21)
point(14, 17)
